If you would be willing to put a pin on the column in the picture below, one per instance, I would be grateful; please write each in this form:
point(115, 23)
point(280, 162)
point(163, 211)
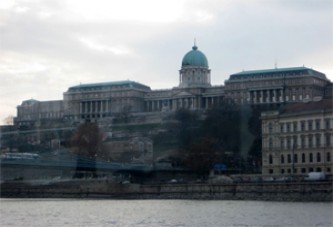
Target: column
point(274, 95)
point(107, 106)
point(261, 96)
point(282, 95)
point(254, 97)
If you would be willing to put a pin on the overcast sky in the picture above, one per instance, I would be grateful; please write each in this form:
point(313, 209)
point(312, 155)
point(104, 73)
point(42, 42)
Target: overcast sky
point(47, 46)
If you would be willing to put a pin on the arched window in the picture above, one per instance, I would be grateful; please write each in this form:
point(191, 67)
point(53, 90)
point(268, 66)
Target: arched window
point(303, 157)
point(282, 158)
point(318, 157)
point(310, 157)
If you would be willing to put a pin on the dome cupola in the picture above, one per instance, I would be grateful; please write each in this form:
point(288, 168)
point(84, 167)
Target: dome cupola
point(194, 71)
point(195, 58)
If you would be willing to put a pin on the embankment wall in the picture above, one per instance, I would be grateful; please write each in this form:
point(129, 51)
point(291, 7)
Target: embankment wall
point(282, 191)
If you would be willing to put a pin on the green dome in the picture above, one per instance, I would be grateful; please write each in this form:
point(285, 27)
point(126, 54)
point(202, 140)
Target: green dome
point(195, 58)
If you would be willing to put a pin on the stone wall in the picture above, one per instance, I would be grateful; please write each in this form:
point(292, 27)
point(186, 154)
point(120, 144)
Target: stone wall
point(295, 191)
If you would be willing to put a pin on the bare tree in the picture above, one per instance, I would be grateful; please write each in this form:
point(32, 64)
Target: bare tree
point(9, 120)
point(86, 143)
point(201, 157)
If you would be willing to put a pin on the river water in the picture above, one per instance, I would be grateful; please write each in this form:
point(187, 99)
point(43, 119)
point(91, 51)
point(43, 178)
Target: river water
point(86, 212)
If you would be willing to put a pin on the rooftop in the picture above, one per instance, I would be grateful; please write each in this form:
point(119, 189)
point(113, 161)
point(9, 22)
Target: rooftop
point(250, 73)
point(124, 83)
point(323, 104)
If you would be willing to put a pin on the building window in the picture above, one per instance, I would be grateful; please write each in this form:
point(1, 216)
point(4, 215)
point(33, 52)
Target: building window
point(288, 143)
point(318, 169)
point(288, 127)
point(295, 158)
point(318, 157)
point(289, 158)
point(318, 124)
point(318, 140)
point(310, 157)
point(303, 170)
point(328, 156)
point(328, 140)
point(270, 144)
point(327, 123)
point(270, 157)
point(270, 127)
point(328, 169)
point(281, 127)
point(303, 157)
point(282, 171)
point(310, 125)
point(303, 141)
point(282, 159)
point(282, 143)
point(295, 142)
point(295, 126)
point(310, 141)
point(302, 126)
point(310, 169)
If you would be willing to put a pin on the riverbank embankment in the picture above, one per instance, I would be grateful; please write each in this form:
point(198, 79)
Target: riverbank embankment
point(268, 191)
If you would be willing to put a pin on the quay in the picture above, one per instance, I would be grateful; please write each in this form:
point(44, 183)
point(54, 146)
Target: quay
point(94, 188)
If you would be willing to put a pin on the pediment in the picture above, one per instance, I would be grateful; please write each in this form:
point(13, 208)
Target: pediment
point(183, 94)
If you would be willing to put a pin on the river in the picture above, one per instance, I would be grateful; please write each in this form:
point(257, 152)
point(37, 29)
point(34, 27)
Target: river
point(86, 212)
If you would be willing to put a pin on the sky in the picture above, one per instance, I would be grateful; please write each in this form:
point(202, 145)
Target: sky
point(46, 46)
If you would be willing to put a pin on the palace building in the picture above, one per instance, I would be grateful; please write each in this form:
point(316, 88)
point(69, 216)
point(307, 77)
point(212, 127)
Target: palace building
point(277, 85)
point(296, 134)
point(195, 92)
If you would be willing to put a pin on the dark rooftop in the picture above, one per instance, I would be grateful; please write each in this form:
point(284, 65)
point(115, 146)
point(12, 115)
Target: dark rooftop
point(324, 105)
point(250, 73)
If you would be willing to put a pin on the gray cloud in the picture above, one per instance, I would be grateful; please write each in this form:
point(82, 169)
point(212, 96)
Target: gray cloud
point(46, 47)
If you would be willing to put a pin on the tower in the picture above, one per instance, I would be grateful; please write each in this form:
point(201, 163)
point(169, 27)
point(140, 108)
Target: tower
point(194, 71)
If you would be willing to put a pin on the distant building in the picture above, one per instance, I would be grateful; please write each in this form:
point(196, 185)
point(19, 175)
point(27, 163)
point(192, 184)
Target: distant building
point(273, 86)
point(118, 101)
point(32, 111)
point(298, 139)
point(195, 92)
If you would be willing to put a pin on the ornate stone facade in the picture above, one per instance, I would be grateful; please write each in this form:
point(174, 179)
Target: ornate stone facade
point(298, 139)
point(273, 86)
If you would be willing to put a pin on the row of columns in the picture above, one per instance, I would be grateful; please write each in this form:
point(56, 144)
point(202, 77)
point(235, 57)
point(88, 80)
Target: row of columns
point(191, 103)
point(98, 106)
point(301, 141)
point(266, 96)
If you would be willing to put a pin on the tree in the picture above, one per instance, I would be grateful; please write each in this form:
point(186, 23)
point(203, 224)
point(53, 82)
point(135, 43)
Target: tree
point(223, 124)
point(9, 120)
point(86, 143)
point(201, 157)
